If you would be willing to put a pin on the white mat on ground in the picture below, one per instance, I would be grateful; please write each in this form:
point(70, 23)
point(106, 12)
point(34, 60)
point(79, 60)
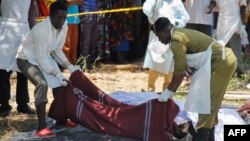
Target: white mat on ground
point(226, 115)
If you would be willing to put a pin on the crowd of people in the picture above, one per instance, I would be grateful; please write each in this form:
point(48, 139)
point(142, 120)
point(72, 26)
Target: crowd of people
point(185, 38)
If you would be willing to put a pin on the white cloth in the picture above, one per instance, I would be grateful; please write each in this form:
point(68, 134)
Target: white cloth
point(198, 98)
point(158, 57)
point(13, 27)
point(226, 116)
point(133, 98)
point(39, 45)
point(197, 12)
point(15, 9)
point(229, 20)
point(174, 10)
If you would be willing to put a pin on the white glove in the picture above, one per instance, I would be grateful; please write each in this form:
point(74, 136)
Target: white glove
point(62, 79)
point(243, 31)
point(165, 95)
point(73, 68)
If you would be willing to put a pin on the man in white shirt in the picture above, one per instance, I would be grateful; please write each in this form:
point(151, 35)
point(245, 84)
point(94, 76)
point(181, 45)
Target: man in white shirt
point(38, 56)
point(13, 26)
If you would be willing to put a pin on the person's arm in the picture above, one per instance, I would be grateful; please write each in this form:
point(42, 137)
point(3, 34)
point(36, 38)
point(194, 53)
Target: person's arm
point(179, 51)
point(58, 54)
point(33, 13)
point(211, 6)
point(243, 5)
point(176, 82)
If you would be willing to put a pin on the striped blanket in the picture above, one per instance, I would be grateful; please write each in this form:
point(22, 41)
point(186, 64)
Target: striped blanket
point(85, 104)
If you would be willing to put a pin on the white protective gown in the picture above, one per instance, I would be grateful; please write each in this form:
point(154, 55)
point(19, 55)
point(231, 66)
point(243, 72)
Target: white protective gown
point(229, 20)
point(13, 28)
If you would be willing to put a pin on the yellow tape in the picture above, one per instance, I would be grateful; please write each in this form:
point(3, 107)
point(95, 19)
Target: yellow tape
point(99, 12)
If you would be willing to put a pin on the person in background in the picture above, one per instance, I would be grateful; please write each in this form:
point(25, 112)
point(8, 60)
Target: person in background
point(17, 17)
point(154, 9)
point(231, 28)
point(199, 19)
point(247, 49)
point(71, 42)
point(37, 58)
point(88, 32)
point(136, 50)
point(199, 56)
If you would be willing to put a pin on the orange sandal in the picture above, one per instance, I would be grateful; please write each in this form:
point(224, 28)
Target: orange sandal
point(69, 123)
point(45, 133)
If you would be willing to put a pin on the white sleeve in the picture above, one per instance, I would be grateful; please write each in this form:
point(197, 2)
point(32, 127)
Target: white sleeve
point(40, 47)
point(148, 9)
point(58, 53)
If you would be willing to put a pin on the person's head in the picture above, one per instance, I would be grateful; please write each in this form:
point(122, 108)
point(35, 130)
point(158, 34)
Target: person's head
point(162, 28)
point(58, 14)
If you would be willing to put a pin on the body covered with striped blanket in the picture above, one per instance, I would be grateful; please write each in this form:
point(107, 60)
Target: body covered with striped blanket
point(84, 103)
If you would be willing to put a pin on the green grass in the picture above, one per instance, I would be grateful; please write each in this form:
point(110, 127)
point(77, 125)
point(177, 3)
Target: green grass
point(237, 84)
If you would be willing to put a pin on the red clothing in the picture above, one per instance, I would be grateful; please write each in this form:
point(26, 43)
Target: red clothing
point(71, 43)
point(91, 107)
point(43, 9)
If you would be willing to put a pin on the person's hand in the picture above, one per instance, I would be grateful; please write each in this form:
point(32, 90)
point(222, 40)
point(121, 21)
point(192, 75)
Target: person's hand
point(243, 31)
point(211, 7)
point(63, 80)
point(190, 71)
point(73, 68)
point(165, 95)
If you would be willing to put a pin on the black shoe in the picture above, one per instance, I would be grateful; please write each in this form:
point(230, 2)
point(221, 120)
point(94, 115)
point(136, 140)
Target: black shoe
point(26, 109)
point(5, 110)
point(211, 136)
point(202, 134)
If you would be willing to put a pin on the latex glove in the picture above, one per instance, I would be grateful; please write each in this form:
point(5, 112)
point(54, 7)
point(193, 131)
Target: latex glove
point(243, 31)
point(63, 80)
point(73, 68)
point(165, 95)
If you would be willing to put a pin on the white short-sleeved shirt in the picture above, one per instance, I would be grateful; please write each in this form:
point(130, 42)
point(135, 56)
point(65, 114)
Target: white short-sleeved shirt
point(197, 12)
